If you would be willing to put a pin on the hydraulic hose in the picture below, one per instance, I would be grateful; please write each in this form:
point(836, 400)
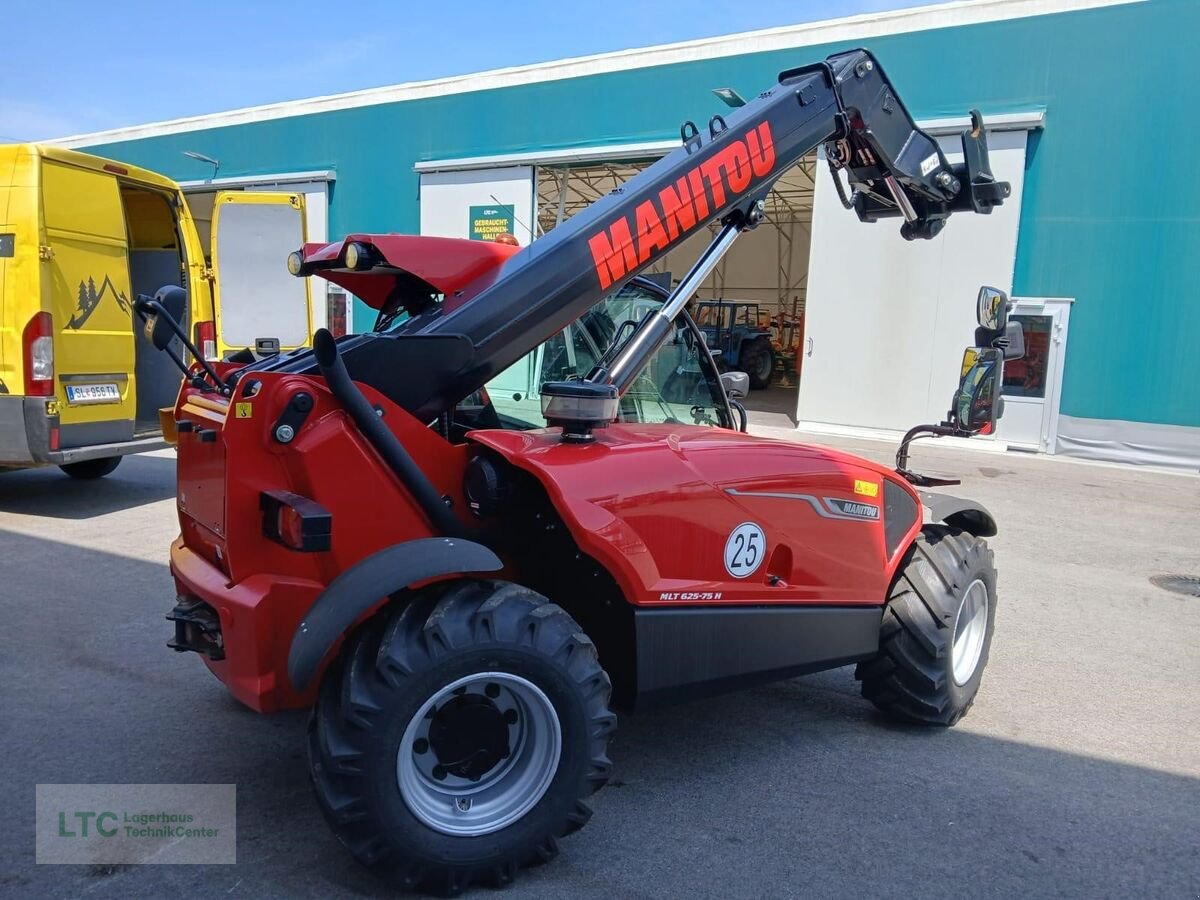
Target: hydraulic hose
point(379, 436)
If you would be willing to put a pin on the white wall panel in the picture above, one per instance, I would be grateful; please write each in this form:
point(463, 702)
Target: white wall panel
point(888, 318)
point(447, 198)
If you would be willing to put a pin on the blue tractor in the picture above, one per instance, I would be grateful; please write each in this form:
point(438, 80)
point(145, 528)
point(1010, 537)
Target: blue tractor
point(732, 330)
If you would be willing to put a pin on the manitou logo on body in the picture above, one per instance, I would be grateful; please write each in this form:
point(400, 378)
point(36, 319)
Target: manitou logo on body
point(853, 508)
point(657, 223)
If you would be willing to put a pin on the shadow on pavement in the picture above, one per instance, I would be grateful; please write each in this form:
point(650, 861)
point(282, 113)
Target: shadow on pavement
point(794, 789)
point(138, 480)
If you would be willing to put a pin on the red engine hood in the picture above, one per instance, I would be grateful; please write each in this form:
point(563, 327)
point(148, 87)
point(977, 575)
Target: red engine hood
point(657, 504)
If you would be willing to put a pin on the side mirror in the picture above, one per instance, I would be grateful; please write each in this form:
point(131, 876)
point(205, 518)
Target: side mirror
point(976, 405)
point(991, 309)
point(1014, 341)
point(162, 315)
point(736, 384)
point(715, 353)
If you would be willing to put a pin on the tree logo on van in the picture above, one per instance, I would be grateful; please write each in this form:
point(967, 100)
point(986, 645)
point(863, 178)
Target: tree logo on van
point(89, 299)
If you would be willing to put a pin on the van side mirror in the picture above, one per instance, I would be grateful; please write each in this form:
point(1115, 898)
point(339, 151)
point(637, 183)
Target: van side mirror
point(736, 384)
point(977, 402)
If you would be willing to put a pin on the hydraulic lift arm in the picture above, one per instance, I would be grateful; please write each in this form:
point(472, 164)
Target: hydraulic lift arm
point(720, 173)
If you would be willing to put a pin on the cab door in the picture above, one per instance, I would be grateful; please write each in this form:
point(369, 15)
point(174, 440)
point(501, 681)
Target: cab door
point(254, 296)
point(86, 289)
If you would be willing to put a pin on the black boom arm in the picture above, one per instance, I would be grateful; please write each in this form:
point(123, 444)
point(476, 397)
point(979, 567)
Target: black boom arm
point(720, 173)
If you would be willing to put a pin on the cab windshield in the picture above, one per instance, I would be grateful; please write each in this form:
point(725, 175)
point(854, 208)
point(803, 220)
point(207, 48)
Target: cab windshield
point(679, 385)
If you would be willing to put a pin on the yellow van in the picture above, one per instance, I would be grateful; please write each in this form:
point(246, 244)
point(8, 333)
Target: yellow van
point(80, 238)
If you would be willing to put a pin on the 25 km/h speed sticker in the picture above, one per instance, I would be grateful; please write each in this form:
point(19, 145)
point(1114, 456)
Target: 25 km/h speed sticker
point(745, 549)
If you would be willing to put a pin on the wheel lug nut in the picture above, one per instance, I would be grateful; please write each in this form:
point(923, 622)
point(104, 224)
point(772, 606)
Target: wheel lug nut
point(420, 745)
point(439, 772)
point(510, 716)
point(492, 690)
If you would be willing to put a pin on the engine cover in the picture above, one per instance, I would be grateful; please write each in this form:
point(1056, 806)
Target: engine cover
point(685, 514)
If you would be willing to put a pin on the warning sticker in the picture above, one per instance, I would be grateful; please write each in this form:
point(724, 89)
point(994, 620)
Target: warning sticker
point(866, 488)
point(244, 410)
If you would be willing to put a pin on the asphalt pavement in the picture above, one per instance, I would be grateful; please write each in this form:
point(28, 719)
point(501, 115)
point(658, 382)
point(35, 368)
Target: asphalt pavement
point(1076, 774)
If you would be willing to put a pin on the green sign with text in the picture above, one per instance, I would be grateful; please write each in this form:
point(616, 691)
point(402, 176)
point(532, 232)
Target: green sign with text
point(489, 222)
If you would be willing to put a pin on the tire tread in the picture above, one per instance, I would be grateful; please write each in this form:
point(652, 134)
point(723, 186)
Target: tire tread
point(909, 679)
point(405, 639)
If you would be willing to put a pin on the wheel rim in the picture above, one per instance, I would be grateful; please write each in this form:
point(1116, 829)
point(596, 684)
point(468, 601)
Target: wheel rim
point(970, 628)
point(479, 754)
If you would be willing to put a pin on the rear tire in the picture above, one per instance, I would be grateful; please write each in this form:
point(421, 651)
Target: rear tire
point(92, 468)
point(936, 630)
point(481, 694)
point(758, 361)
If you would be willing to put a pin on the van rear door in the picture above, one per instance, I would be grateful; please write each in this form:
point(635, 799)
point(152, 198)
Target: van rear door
point(87, 280)
point(253, 293)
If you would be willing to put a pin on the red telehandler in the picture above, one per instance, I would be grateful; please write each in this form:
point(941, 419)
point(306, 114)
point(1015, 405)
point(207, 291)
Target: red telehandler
point(371, 528)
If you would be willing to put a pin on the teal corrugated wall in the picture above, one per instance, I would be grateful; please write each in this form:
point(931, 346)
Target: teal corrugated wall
point(1110, 214)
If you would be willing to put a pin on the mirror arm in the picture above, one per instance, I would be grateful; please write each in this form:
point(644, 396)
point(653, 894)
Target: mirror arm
point(145, 303)
point(936, 431)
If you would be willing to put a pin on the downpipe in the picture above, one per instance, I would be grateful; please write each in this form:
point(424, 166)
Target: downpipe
point(379, 436)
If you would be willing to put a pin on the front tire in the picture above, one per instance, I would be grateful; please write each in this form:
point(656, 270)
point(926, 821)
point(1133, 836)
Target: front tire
point(936, 631)
point(92, 468)
point(758, 361)
point(459, 736)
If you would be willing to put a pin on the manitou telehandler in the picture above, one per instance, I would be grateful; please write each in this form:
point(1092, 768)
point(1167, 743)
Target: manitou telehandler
point(374, 529)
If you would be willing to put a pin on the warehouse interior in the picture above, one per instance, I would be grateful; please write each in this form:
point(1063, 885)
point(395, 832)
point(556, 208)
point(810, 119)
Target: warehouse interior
point(767, 267)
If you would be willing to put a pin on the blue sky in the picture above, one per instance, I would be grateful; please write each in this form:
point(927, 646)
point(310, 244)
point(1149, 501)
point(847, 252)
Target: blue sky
point(72, 67)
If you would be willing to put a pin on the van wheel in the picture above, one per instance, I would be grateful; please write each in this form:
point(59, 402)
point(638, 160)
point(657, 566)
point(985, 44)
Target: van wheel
point(92, 468)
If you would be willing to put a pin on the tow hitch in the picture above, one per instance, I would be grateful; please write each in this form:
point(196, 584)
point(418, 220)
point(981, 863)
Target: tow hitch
point(197, 628)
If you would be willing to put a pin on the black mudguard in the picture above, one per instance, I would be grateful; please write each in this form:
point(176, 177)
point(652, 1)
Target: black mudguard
point(366, 583)
point(956, 512)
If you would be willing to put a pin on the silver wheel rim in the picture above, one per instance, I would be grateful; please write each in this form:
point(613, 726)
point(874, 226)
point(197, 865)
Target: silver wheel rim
point(970, 628)
point(503, 777)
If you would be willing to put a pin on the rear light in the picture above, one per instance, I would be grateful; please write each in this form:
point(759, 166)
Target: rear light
point(296, 522)
point(37, 343)
point(205, 334)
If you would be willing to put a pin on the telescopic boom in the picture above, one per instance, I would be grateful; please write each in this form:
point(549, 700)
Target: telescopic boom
point(721, 173)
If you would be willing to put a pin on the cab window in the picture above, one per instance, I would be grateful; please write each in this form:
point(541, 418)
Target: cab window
point(679, 384)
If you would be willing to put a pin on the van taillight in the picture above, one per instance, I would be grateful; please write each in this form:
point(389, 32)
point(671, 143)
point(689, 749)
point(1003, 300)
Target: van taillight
point(206, 339)
point(37, 343)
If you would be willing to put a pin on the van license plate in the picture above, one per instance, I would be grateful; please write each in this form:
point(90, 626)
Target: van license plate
point(93, 393)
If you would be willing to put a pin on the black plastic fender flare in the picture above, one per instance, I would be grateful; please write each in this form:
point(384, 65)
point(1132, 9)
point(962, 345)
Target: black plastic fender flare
point(957, 512)
point(365, 583)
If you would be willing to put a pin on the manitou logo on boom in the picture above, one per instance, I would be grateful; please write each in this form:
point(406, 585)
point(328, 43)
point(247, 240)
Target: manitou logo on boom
point(625, 245)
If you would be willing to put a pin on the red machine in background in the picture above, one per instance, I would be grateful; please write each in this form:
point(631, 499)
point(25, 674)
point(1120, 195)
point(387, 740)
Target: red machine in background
point(461, 595)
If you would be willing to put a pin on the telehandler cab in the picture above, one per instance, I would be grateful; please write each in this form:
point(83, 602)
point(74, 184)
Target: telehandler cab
point(459, 592)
